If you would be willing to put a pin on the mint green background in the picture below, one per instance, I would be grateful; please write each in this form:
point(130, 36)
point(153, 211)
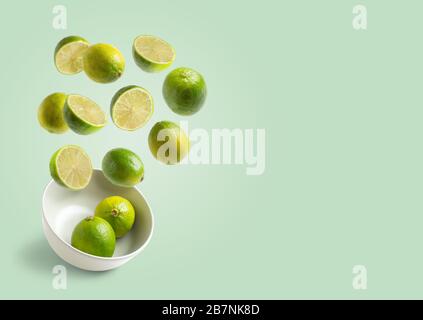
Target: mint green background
point(342, 111)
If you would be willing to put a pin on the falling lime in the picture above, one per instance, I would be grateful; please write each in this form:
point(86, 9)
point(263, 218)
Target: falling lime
point(152, 54)
point(103, 63)
point(123, 167)
point(50, 113)
point(83, 115)
point(185, 91)
point(168, 142)
point(71, 167)
point(68, 54)
point(131, 108)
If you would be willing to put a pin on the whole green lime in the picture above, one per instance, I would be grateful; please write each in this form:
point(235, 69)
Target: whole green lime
point(185, 91)
point(123, 167)
point(117, 211)
point(95, 236)
point(103, 63)
point(50, 113)
point(168, 142)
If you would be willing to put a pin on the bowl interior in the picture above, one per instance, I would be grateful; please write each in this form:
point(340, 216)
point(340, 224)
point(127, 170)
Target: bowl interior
point(64, 209)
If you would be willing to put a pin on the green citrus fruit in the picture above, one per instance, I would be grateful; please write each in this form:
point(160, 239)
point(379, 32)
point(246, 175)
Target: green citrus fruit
point(50, 113)
point(131, 108)
point(168, 142)
point(71, 167)
point(69, 53)
point(123, 167)
point(83, 115)
point(152, 54)
point(117, 211)
point(185, 91)
point(94, 235)
point(103, 63)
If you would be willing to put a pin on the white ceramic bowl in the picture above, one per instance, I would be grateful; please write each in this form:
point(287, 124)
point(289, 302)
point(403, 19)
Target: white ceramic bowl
point(63, 209)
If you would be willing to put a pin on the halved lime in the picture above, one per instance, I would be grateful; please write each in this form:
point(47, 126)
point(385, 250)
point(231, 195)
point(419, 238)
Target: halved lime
point(71, 167)
point(131, 108)
point(83, 115)
point(152, 54)
point(68, 54)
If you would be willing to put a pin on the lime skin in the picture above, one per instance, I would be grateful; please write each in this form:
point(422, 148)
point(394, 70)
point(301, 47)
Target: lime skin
point(94, 235)
point(117, 211)
point(67, 40)
point(117, 95)
point(178, 147)
point(78, 125)
point(50, 113)
point(123, 168)
point(103, 63)
point(53, 168)
point(184, 91)
point(145, 63)
point(64, 42)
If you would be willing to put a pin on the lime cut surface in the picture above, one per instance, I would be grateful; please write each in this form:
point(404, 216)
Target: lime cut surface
point(83, 115)
point(71, 167)
point(68, 55)
point(131, 108)
point(152, 54)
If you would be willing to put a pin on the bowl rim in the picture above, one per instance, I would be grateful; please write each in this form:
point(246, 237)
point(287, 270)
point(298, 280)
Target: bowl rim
point(129, 255)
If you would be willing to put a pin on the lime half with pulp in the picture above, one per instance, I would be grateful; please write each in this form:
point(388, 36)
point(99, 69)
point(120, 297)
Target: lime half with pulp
point(71, 167)
point(69, 53)
point(152, 54)
point(83, 115)
point(131, 108)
